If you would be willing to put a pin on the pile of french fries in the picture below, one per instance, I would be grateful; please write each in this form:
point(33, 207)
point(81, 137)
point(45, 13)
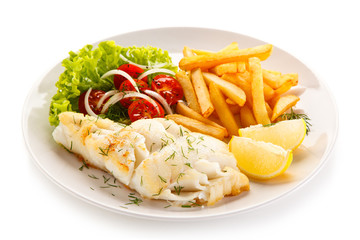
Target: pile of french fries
point(228, 89)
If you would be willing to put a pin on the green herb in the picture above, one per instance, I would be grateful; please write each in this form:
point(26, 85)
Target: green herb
point(169, 138)
point(178, 189)
point(292, 115)
point(106, 179)
point(134, 200)
point(181, 131)
point(118, 113)
point(172, 156)
point(157, 194)
point(93, 176)
point(179, 176)
point(182, 151)
point(141, 181)
point(112, 185)
point(192, 204)
point(151, 147)
point(162, 179)
point(104, 152)
point(190, 140)
point(269, 125)
point(188, 164)
point(84, 165)
point(71, 145)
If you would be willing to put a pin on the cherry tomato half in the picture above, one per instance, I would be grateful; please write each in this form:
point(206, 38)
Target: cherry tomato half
point(143, 109)
point(94, 98)
point(127, 86)
point(132, 70)
point(168, 87)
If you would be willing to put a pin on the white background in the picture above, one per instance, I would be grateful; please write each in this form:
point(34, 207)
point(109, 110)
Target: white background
point(36, 35)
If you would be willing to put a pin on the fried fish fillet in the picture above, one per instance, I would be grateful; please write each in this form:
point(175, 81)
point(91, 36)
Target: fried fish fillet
point(156, 157)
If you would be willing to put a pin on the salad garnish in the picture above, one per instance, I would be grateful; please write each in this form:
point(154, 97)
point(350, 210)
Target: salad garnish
point(93, 76)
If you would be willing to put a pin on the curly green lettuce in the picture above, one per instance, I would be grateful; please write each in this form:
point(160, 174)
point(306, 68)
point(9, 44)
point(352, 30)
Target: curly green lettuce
point(83, 70)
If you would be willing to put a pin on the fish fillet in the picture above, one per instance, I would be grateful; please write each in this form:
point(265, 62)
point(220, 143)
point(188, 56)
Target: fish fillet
point(156, 157)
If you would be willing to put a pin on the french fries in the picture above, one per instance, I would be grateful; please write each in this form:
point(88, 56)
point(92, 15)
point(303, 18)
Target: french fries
point(283, 104)
point(257, 88)
point(182, 109)
point(222, 110)
point(246, 117)
point(213, 59)
point(276, 79)
point(202, 92)
point(188, 89)
point(231, 90)
point(197, 126)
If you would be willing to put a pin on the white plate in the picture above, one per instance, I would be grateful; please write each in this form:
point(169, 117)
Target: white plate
point(63, 168)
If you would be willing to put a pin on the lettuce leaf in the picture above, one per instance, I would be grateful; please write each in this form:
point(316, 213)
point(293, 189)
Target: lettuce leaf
point(84, 69)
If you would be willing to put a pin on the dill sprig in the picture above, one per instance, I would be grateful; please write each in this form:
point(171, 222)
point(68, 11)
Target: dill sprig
point(178, 189)
point(292, 115)
point(191, 204)
point(104, 152)
point(134, 200)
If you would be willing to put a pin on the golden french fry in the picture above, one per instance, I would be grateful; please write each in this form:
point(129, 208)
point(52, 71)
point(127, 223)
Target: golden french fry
point(197, 126)
point(257, 86)
point(202, 92)
point(215, 118)
point(242, 83)
point(237, 120)
point(241, 67)
point(268, 92)
point(286, 86)
point(223, 110)
point(246, 117)
point(230, 47)
point(283, 104)
point(234, 109)
point(246, 86)
point(230, 102)
point(213, 59)
point(187, 52)
point(201, 52)
point(230, 90)
point(268, 109)
point(182, 109)
point(276, 79)
point(188, 90)
point(224, 68)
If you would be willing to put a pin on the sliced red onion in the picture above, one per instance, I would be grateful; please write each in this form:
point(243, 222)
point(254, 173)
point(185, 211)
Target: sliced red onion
point(160, 99)
point(127, 94)
point(105, 96)
point(86, 103)
point(142, 66)
point(155, 70)
point(122, 73)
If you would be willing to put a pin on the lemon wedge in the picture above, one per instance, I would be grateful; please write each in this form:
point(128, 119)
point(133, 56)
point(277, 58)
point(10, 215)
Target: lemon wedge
point(260, 160)
point(288, 134)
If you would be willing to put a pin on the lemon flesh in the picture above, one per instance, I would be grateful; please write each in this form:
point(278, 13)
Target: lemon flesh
point(288, 134)
point(260, 160)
